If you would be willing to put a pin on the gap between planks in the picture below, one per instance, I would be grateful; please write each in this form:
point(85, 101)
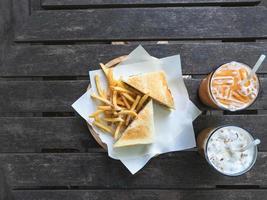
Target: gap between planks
point(85, 188)
point(139, 41)
point(143, 42)
point(64, 5)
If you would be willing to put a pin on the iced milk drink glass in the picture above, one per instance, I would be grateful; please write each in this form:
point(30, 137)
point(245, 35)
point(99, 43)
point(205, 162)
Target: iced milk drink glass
point(221, 147)
point(223, 88)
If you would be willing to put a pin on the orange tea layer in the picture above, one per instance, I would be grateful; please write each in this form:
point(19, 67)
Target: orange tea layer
point(227, 89)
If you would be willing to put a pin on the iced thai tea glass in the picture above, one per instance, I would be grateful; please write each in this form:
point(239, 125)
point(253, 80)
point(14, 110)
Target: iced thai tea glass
point(224, 89)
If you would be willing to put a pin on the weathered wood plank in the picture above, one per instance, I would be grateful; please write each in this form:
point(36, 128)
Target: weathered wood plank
point(57, 96)
point(141, 194)
point(5, 192)
point(5, 18)
point(263, 3)
point(35, 5)
point(5, 24)
point(157, 23)
point(76, 60)
point(55, 134)
point(97, 170)
point(45, 134)
point(44, 96)
point(21, 12)
point(107, 3)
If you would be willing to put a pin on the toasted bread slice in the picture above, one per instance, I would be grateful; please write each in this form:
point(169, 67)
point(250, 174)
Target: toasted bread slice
point(141, 130)
point(155, 84)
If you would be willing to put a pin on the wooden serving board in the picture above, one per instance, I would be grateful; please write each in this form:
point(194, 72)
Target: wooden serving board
point(111, 63)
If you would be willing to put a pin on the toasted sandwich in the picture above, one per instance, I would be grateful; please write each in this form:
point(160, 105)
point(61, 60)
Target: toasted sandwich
point(141, 130)
point(155, 84)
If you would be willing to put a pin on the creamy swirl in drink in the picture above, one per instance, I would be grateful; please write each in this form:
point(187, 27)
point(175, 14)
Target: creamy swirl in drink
point(223, 150)
point(227, 90)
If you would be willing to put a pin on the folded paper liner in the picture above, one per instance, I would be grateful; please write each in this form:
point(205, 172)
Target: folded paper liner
point(173, 129)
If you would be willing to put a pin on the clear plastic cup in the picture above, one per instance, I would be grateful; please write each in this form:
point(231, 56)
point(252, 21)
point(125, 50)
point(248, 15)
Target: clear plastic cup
point(221, 148)
point(222, 89)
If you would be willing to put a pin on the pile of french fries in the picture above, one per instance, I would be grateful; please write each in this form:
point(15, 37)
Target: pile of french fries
point(117, 106)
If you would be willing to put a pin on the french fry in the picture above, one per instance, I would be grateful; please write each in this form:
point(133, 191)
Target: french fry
point(117, 131)
point(132, 108)
point(128, 112)
point(125, 102)
point(117, 119)
point(104, 68)
point(96, 113)
point(142, 101)
point(127, 96)
point(105, 108)
point(127, 120)
point(109, 112)
point(136, 101)
point(107, 115)
point(111, 80)
point(121, 89)
point(120, 103)
point(120, 83)
point(103, 127)
point(105, 101)
point(110, 95)
point(108, 73)
point(114, 98)
point(105, 94)
point(115, 113)
point(97, 119)
point(98, 87)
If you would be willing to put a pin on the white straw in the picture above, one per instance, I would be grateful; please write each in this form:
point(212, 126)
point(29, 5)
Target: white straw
point(250, 145)
point(254, 70)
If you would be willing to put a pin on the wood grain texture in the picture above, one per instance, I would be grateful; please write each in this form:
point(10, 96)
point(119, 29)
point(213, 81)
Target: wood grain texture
point(5, 18)
point(45, 134)
point(263, 3)
point(101, 3)
point(5, 24)
point(20, 12)
point(141, 194)
point(77, 60)
point(157, 23)
point(58, 96)
point(55, 134)
point(5, 192)
point(97, 170)
point(43, 96)
point(35, 5)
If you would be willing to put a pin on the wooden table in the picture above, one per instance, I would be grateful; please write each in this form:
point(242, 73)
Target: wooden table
point(47, 48)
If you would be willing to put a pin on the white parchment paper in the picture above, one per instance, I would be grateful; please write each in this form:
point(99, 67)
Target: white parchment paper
point(173, 129)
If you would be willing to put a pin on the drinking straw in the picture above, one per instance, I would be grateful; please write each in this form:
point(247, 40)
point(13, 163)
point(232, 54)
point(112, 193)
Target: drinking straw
point(249, 145)
point(255, 68)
